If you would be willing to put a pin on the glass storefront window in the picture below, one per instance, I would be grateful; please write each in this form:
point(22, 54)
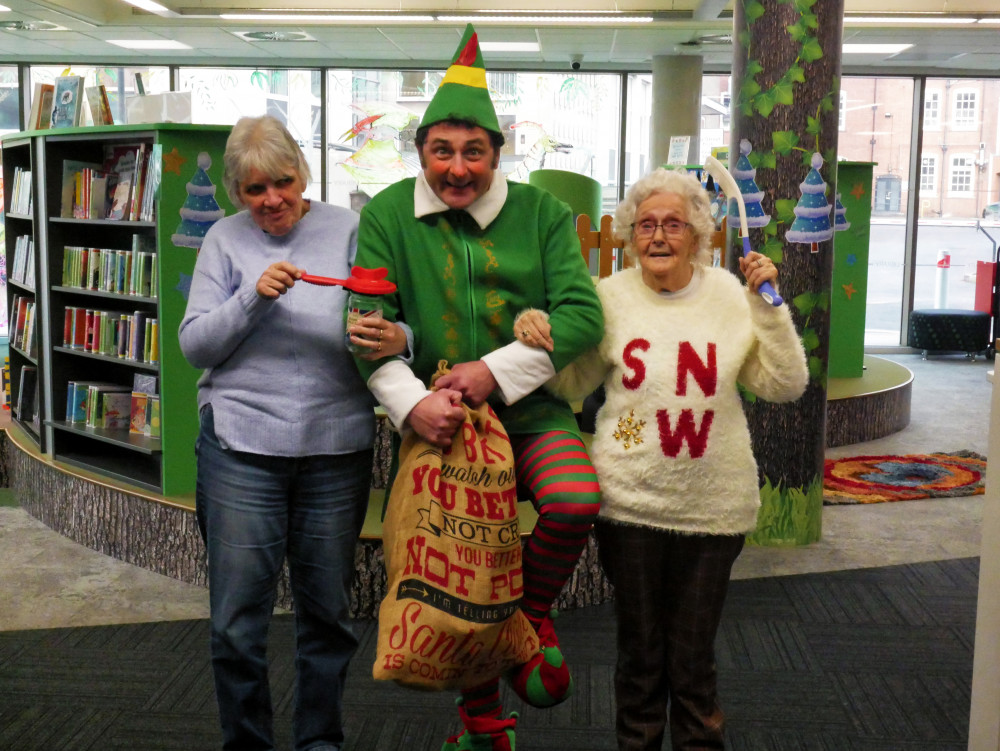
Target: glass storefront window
point(953, 230)
point(878, 124)
point(224, 95)
point(558, 121)
point(119, 82)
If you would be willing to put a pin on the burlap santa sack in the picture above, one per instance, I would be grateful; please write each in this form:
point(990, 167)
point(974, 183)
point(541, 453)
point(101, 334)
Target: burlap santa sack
point(451, 617)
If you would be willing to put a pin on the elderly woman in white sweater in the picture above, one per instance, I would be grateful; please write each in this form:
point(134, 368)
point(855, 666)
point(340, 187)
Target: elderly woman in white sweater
point(672, 448)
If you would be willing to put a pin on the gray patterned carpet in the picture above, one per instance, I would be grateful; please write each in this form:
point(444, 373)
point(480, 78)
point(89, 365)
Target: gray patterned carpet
point(876, 659)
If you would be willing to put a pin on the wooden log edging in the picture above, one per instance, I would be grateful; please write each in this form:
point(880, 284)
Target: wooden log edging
point(164, 538)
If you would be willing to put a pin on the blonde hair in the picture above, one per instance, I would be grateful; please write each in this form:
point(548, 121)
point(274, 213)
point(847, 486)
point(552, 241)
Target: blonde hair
point(262, 143)
point(684, 184)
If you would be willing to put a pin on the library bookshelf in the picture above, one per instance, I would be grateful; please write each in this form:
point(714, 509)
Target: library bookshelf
point(183, 163)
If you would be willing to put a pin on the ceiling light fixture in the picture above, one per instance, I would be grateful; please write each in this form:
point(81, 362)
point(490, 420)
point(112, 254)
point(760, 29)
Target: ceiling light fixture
point(874, 49)
point(902, 19)
point(148, 5)
point(509, 46)
point(483, 17)
point(329, 17)
point(149, 44)
point(30, 26)
point(4, 9)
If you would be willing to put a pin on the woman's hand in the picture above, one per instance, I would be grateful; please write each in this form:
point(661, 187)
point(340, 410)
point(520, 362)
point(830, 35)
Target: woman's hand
point(757, 269)
point(384, 338)
point(277, 279)
point(532, 327)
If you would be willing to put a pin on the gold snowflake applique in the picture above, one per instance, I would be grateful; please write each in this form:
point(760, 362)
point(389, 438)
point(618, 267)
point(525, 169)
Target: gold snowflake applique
point(629, 429)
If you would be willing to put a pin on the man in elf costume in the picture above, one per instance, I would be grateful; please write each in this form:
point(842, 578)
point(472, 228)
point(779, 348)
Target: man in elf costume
point(469, 251)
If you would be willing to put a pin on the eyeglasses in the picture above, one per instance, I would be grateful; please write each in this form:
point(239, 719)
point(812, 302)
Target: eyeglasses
point(648, 227)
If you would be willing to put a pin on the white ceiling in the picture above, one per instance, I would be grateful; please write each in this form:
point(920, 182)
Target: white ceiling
point(681, 27)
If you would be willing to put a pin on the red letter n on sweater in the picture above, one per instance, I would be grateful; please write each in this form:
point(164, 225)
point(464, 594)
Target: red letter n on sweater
point(706, 376)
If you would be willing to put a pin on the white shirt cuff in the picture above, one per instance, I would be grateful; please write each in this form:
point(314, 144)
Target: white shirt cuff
point(397, 390)
point(519, 369)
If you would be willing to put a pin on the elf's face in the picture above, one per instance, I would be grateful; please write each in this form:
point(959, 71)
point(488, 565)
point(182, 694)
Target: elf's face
point(458, 163)
point(275, 204)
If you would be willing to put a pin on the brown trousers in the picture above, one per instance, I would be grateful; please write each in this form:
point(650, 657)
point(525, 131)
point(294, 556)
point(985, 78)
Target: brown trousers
point(669, 592)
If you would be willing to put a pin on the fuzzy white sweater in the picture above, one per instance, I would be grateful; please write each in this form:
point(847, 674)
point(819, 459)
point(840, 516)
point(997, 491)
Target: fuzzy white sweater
point(671, 445)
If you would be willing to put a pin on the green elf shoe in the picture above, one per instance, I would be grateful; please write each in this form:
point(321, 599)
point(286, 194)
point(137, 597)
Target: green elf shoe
point(483, 734)
point(544, 680)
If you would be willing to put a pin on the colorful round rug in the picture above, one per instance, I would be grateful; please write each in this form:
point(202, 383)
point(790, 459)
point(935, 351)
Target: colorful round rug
point(875, 479)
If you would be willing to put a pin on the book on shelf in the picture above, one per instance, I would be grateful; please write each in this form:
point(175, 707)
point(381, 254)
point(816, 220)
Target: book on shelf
point(76, 400)
point(141, 169)
point(21, 195)
point(121, 199)
point(75, 327)
point(30, 342)
point(100, 107)
point(154, 174)
point(96, 401)
point(152, 428)
point(72, 185)
point(18, 318)
point(27, 394)
point(137, 412)
point(115, 410)
point(41, 107)
point(144, 383)
point(23, 268)
point(67, 102)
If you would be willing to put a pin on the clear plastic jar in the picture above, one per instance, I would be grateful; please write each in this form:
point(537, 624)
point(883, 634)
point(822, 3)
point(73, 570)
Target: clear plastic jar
point(360, 306)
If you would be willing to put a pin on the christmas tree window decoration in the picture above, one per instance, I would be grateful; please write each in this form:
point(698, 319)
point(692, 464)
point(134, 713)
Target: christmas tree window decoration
point(200, 210)
point(840, 222)
point(745, 176)
point(812, 213)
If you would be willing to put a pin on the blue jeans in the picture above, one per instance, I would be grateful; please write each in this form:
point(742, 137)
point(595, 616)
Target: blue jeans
point(253, 511)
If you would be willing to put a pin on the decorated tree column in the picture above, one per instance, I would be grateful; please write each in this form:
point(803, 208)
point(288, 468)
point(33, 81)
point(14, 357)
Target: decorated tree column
point(786, 76)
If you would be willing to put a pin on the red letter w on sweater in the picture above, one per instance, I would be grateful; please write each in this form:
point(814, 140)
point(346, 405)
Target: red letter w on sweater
point(706, 375)
point(672, 440)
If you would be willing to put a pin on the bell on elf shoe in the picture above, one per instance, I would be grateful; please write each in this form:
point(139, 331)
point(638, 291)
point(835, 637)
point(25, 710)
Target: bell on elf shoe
point(544, 680)
point(482, 733)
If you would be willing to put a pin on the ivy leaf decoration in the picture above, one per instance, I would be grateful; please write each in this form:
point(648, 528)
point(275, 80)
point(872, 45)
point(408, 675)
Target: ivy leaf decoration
point(810, 339)
point(816, 368)
point(774, 248)
point(797, 32)
point(784, 141)
point(812, 125)
point(797, 74)
point(768, 160)
point(753, 11)
point(811, 50)
point(785, 209)
point(765, 103)
point(782, 91)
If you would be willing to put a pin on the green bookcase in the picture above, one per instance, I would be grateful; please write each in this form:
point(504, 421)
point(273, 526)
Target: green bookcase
point(190, 158)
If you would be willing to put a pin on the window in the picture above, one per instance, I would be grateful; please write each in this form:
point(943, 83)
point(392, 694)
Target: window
point(418, 84)
point(842, 112)
point(928, 176)
point(960, 183)
point(932, 110)
point(965, 110)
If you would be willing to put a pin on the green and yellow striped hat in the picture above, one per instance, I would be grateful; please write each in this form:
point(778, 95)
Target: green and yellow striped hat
point(463, 94)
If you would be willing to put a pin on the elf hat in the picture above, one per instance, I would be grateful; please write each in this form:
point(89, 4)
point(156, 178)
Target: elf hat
point(462, 94)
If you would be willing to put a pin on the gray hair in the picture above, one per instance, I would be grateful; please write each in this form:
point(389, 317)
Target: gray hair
point(262, 143)
point(684, 184)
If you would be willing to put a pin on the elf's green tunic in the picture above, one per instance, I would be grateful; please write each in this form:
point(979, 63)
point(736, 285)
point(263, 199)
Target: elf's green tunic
point(461, 287)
